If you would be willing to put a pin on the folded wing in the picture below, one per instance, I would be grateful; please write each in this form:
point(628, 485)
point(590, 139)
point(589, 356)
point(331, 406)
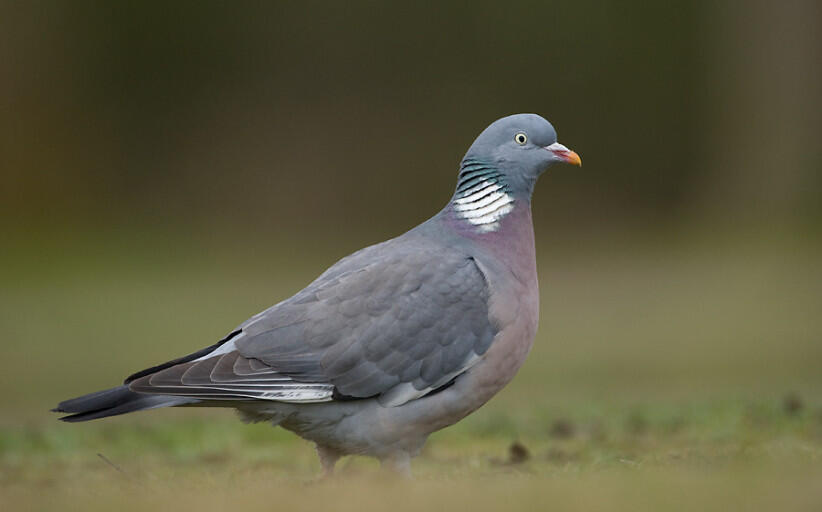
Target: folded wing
point(395, 322)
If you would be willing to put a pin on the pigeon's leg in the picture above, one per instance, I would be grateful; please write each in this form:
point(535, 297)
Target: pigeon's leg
point(328, 459)
point(399, 463)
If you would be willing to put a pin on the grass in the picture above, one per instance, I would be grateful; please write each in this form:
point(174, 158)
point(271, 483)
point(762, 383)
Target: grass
point(727, 454)
point(674, 373)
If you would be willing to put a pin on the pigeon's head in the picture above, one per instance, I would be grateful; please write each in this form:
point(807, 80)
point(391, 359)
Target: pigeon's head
point(520, 147)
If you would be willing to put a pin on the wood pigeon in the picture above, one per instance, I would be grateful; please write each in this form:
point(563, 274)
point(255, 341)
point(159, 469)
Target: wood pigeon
point(393, 342)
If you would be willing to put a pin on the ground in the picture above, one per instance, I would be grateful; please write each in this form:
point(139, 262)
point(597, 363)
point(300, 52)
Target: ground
point(670, 373)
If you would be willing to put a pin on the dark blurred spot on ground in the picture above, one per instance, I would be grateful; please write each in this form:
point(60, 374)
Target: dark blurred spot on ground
point(674, 425)
point(518, 453)
point(792, 404)
point(562, 429)
point(637, 424)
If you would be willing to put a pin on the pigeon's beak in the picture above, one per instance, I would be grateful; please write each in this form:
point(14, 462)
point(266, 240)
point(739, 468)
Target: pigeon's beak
point(564, 154)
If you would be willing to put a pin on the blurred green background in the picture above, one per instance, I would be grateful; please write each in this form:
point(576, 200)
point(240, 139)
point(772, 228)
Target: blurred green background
point(168, 169)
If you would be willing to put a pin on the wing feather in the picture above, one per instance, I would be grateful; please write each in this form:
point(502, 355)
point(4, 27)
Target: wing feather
point(394, 321)
point(214, 378)
point(416, 315)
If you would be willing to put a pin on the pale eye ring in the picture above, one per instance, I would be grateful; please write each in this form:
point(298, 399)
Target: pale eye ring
point(520, 138)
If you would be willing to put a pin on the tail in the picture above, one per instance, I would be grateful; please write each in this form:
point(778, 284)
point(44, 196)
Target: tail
point(115, 401)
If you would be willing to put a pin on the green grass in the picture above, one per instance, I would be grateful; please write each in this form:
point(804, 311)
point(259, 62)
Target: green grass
point(677, 372)
point(603, 456)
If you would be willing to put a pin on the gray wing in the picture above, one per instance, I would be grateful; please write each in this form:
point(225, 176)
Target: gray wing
point(394, 321)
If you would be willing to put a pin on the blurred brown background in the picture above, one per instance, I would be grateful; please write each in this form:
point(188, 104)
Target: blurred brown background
point(170, 168)
point(321, 116)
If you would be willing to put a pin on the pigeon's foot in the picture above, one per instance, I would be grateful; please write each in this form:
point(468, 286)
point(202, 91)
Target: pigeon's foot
point(398, 463)
point(328, 459)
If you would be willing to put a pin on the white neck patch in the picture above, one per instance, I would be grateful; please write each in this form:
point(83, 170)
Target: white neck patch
point(484, 205)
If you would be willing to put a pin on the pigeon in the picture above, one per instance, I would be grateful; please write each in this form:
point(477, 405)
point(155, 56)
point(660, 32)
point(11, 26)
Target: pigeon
point(397, 340)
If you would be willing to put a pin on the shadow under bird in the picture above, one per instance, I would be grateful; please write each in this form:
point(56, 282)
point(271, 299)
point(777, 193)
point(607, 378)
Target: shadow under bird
point(393, 342)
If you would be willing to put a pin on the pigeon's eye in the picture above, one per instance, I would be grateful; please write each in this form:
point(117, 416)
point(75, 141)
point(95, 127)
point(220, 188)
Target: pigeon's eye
point(520, 138)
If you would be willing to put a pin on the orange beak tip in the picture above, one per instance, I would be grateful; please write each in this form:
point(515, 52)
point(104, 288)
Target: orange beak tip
point(573, 158)
point(563, 153)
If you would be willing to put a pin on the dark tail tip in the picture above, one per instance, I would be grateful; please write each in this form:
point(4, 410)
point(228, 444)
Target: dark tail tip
point(112, 402)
